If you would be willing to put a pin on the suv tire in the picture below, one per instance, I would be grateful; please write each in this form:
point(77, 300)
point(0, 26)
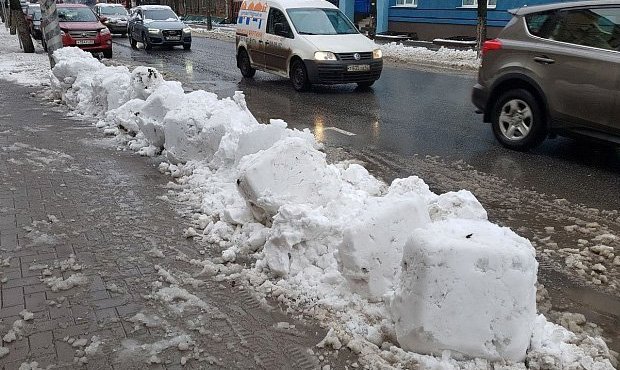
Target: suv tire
point(146, 40)
point(518, 120)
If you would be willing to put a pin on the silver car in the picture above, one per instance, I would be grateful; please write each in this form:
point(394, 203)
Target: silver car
point(554, 69)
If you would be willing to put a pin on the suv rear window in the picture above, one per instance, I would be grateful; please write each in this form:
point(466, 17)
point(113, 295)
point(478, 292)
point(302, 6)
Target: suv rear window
point(593, 27)
point(541, 24)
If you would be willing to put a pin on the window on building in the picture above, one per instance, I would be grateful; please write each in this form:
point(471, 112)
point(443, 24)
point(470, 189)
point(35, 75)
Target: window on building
point(474, 3)
point(407, 2)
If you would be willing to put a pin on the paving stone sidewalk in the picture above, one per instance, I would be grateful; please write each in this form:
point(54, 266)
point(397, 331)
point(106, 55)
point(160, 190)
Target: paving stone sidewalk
point(85, 243)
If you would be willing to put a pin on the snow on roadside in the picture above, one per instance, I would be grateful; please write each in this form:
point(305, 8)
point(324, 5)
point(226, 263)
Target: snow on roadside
point(303, 236)
point(396, 52)
point(21, 68)
point(444, 57)
point(218, 33)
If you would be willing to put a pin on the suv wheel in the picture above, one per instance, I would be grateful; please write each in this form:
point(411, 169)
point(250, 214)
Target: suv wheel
point(147, 42)
point(518, 121)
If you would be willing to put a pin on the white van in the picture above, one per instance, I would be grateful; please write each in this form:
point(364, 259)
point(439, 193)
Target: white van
point(310, 41)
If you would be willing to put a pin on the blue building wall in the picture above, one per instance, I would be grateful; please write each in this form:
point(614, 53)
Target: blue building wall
point(452, 12)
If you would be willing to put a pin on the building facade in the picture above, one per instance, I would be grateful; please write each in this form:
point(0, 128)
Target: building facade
point(430, 19)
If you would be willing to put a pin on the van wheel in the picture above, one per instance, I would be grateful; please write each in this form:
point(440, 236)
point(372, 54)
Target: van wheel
point(299, 76)
point(243, 61)
point(518, 120)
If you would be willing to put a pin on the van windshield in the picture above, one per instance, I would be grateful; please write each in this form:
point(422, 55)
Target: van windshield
point(313, 21)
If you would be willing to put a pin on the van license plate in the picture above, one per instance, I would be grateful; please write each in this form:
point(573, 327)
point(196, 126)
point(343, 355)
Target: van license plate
point(84, 42)
point(358, 68)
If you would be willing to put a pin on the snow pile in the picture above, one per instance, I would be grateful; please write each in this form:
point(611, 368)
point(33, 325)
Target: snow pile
point(385, 265)
point(458, 269)
point(444, 57)
point(372, 247)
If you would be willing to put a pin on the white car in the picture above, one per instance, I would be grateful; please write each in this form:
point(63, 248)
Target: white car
point(309, 41)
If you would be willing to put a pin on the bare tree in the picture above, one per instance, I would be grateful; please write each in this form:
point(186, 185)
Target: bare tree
point(23, 32)
point(481, 29)
point(209, 22)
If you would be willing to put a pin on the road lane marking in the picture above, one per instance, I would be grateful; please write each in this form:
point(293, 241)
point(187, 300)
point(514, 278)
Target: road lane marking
point(340, 131)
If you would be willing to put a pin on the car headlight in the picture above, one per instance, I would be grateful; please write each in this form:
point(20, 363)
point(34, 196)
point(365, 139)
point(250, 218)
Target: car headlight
point(187, 30)
point(153, 30)
point(324, 55)
point(377, 54)
point(104, 31)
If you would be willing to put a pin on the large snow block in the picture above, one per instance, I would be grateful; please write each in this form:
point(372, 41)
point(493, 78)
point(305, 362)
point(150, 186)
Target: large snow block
point(290, 172)
point(466, 286)
point(190, 131)
point(372, 247)
point(459, 204)
point(167, 96)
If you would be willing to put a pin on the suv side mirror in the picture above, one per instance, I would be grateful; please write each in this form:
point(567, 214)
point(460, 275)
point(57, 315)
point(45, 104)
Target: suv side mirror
point(281, 30)
point(103, 19)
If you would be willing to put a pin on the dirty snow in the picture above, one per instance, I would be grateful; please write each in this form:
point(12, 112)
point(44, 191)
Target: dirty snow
point(294, 254)
point(444, 57)
point(21, 68)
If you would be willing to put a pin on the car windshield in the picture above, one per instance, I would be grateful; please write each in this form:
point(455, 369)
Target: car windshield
point(312, 21)
point(160, 15)
point(76, 15)
point(113, 10)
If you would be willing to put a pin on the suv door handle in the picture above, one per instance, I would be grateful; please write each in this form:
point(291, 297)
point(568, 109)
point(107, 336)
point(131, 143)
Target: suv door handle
point(544, 60)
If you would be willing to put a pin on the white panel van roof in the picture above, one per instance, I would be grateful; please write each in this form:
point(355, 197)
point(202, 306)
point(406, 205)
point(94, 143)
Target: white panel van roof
point(288, 4)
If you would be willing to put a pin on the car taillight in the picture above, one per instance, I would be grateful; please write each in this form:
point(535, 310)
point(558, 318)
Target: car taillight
point(491, 45)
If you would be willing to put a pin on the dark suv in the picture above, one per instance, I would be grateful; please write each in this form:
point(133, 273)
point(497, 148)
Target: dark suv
point(554, 69)
point(157, 25)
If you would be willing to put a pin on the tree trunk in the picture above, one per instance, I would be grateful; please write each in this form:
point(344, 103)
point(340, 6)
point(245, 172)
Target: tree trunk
point(481, 29)
point(51, 29)
point(12, 22)
point(209, 22)
point(23, 31)
point(19, 19)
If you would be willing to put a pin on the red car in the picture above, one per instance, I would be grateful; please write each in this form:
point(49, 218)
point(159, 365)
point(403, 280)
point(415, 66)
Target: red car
point(80, 27)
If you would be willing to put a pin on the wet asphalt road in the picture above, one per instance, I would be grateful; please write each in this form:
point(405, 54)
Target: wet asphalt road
point(407, 112)
point(421, 122)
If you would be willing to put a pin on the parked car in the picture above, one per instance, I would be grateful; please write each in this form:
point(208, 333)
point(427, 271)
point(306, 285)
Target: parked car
point(309, 41)
point(157, 25)
point(33, 17)
point(554, 69)
point(80, 27)
point(113, 16)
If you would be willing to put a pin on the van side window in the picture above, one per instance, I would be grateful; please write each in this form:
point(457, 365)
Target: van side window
point(276, 17)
